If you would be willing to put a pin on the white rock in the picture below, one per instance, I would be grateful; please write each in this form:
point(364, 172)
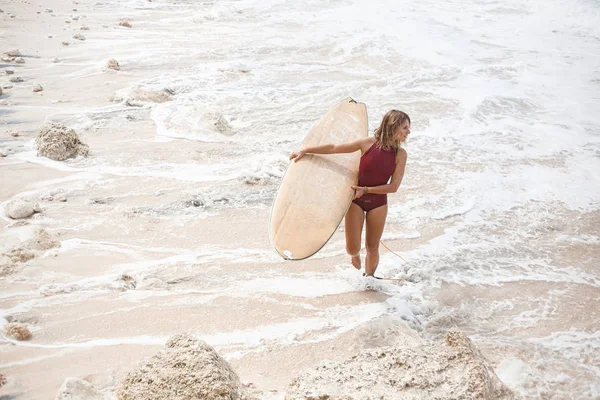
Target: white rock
point(38, 88)
point(17, 209)
point(78, 36)
point(7, 86)
point(85, 28)
point(65, 43)
point(56, 60)
point(113, 64)
point(15, 79)
point(77, 389)
point(13, 53)
point(19, 60)
point(9, 71)
point(0, 91)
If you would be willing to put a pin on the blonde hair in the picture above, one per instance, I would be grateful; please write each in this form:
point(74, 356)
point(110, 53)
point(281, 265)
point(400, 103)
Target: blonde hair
point(384, 134)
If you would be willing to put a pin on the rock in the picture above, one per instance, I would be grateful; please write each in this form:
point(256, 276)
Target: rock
point(48, 10)
point(454, 370)
point(85, 28)
point(0, 91)
point(19, 60)
point(9, 71)
point(2, 377)
point(75, 18)
point(15, 79)
point(78, 36)
point(56, 60)
point(125, 282)
point(7, 267)
point(37, 88)
point(187, 369)
point(19, 255)
point(138, 97)
point(14, 134)
point(17, 331)
point(221, 124)
point(77, 389)
point(65, 43)
point(113, 64)
point(50, 36)
point(2, 153)
point(125, 23)
point(7, 86)
point(13, 53)
point(41, 241)
point(17, 209)
point(101, 200)
point(58, 142)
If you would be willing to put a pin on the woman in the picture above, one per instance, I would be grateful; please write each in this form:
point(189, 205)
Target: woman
point(382, 158)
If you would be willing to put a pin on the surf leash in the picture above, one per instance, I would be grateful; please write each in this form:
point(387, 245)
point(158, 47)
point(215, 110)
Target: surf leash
point(393, 252)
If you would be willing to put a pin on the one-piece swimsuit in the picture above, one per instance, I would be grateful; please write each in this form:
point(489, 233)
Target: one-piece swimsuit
point(376, 167)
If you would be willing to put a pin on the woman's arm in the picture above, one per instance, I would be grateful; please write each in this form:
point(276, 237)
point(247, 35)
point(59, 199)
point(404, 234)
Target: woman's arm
point(395, 182)
point(349, 147)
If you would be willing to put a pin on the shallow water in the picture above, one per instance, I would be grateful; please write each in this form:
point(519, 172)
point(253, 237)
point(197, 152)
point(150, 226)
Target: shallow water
point(497, 216)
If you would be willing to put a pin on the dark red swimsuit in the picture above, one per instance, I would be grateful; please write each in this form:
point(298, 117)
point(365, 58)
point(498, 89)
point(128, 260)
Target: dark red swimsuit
point(376, 167)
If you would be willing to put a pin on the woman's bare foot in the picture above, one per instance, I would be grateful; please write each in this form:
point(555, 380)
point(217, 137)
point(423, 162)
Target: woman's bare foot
point(355, 260)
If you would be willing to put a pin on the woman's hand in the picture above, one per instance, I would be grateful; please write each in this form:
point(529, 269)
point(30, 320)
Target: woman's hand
point(297, 155)
point(360, 191)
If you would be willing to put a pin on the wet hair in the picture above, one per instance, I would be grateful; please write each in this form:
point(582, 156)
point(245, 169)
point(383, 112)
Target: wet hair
point(384, 134)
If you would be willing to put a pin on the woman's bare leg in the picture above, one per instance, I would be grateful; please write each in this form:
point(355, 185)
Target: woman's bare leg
point(355, 218)
point(375, 224)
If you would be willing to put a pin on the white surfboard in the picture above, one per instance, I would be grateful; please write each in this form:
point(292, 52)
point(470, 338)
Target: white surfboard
point(315, 192)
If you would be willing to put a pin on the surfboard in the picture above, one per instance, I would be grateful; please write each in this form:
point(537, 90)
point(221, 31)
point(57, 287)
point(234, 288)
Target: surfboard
point(315, 193)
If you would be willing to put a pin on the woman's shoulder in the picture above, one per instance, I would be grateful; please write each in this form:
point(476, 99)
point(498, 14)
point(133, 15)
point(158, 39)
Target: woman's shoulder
point(401, 153)
point(366, 143)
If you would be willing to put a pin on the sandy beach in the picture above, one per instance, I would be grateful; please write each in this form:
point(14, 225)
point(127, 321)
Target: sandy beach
point(163, 228)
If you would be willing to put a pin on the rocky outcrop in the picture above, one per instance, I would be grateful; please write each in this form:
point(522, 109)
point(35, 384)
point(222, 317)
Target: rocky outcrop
point(15, 258)
point(17, 331)
point(453, 370)
point(77, 389)
point(59, 143)
point(187, 369)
